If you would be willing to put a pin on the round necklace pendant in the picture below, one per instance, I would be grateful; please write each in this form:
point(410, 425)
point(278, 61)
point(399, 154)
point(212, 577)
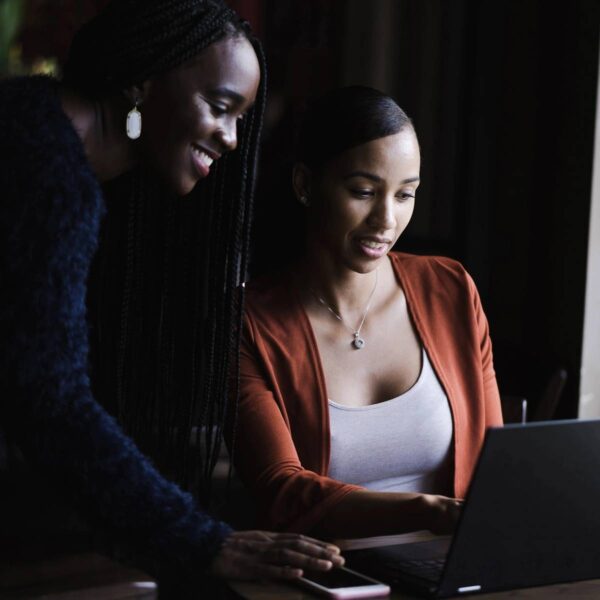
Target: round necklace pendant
point(358, 342)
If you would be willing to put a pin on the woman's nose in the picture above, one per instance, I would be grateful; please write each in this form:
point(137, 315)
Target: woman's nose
point(382, 216)
point(227, 135)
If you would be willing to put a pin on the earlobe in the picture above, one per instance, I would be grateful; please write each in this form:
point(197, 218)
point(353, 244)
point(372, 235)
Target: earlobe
point(136, 94)
point(301, 183)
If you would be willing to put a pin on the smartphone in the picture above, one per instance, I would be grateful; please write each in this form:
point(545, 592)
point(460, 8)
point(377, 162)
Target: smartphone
point(343, 583)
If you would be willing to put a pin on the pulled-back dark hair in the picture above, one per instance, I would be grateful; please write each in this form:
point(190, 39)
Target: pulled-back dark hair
point(164, 297)
point(344, 118)
point(331, 124)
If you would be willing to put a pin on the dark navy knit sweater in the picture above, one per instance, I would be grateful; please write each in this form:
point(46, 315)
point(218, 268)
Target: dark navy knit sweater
point(50, 210)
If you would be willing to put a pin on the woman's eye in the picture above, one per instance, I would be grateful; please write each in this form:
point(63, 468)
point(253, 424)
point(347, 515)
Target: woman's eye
point(362, 193)
point(405, 195)
point(218, 109)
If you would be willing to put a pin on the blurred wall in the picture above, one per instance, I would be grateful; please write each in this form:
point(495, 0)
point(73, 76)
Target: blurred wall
point(503, 96)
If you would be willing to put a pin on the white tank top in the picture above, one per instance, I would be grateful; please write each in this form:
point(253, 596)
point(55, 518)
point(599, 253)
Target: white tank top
point(400, 445)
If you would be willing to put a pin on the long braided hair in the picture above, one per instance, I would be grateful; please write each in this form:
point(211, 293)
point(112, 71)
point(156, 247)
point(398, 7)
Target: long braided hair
point(164, 297)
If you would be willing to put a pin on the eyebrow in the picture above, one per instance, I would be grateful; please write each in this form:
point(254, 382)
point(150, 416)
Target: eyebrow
point(376, 178)
point(228, 93)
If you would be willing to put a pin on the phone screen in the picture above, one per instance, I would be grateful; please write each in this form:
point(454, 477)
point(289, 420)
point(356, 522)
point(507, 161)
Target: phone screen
point(337, 578)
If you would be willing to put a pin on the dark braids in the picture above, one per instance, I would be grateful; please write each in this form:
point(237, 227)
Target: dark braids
point(165, 299)
point(144, 39)
point(244, 240)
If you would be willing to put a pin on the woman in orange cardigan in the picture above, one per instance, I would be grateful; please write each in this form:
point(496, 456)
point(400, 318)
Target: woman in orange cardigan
point(367, 380)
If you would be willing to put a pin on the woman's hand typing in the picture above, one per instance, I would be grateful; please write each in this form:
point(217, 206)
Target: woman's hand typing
point(444, 513)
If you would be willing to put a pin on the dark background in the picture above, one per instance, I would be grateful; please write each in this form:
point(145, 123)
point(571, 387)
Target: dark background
point(503, 97)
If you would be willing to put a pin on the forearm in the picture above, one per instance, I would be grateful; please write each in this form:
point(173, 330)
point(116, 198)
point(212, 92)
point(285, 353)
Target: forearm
point(364, 513)
point(84, 451)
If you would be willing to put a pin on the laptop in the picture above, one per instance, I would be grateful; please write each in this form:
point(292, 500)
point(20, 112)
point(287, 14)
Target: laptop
point(531, 517)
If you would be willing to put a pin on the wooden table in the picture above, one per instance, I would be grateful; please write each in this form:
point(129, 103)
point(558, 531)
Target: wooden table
point(89, 576)
point(581, 590)
point(95, 577)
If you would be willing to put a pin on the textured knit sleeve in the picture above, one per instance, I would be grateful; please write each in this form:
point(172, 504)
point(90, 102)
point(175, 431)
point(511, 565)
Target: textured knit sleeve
point(50, 211)
point(272, 437)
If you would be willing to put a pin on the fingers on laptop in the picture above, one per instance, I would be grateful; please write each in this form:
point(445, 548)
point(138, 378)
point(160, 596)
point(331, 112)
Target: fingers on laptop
point(259, 554)
point(445, 513)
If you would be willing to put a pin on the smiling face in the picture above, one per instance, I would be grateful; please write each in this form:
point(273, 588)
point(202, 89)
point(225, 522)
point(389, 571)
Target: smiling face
point(191, 113)
point(362, 201)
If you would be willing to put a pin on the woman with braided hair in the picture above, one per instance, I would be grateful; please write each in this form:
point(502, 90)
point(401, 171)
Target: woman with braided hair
point(153, 131)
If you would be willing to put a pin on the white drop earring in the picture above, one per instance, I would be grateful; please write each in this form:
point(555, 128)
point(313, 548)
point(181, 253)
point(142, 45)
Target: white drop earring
point(134, 123)
point(304, 200)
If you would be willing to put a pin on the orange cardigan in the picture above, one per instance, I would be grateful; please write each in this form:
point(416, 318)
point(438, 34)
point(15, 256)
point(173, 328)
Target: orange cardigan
point(282, 439)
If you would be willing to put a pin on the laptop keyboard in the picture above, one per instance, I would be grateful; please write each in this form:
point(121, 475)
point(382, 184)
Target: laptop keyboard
point(429, 569)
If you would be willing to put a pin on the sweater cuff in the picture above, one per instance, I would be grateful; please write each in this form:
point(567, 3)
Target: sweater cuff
point(185, 553)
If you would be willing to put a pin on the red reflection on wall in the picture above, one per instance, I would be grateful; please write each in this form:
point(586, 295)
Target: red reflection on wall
point(49, 26)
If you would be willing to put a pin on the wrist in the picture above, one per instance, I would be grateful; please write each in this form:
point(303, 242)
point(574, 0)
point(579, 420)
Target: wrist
point(429, 511)
point(416, 512)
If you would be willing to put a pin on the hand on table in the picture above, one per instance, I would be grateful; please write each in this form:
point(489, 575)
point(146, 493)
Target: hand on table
point(263, 554)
